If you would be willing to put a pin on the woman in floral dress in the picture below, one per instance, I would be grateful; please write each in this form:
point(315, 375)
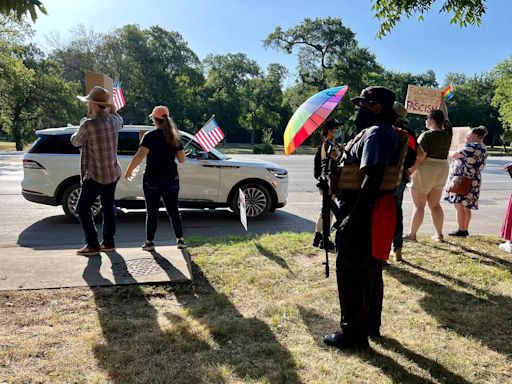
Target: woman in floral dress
point(469, 161)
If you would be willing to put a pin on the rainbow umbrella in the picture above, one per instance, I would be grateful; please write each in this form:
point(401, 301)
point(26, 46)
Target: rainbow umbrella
point(310, 115)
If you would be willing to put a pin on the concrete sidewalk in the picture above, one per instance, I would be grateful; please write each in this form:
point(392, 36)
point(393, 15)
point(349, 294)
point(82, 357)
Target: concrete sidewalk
point(26, 268)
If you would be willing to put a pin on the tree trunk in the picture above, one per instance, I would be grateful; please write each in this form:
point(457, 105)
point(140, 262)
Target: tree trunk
point(16, 129)
point(253, 129)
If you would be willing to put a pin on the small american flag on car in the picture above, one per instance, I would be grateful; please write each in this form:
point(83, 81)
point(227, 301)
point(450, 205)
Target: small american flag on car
point(117, 95)
point(210, 135)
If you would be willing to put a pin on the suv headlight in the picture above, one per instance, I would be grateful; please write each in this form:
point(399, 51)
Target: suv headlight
point(278, 172)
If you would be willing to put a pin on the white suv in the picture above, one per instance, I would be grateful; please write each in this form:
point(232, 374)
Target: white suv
point(51, 170)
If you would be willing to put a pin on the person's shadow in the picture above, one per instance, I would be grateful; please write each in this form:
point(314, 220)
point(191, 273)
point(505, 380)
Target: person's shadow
point(203, 339)
point(483, 315)
point(318, 325)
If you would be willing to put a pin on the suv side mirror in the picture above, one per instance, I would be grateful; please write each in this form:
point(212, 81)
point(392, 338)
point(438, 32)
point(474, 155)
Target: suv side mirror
point(201, 155)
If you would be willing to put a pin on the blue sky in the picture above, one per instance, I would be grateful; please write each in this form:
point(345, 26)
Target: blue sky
point(232, 26)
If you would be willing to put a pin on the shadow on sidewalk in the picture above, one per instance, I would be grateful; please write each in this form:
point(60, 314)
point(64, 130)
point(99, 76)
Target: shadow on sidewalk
point(57, 232)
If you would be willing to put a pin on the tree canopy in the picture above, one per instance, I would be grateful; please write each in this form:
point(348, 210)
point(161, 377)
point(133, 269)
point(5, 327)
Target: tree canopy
point(463, 12)
point(21, 8)
point(156, 66)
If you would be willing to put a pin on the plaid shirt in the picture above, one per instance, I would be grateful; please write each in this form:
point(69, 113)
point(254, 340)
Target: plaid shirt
point(98, 138)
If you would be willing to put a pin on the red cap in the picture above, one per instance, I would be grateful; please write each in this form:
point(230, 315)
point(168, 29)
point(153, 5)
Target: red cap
point(160, 112)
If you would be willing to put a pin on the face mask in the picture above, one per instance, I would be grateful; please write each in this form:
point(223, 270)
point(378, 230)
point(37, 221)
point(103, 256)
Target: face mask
point(364, 118)
point(337, 134)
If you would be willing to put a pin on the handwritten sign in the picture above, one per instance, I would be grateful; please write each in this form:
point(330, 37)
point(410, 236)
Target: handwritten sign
point(242, 206)
point(422, 100)
point(94, 78)
point(459, 138)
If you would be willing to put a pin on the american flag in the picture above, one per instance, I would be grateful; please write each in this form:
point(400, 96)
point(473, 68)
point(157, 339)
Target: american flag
point(210, 135)
point(117, 95)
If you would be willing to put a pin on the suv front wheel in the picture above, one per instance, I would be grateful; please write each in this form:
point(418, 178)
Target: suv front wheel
point(257, 200)
point(70, 198)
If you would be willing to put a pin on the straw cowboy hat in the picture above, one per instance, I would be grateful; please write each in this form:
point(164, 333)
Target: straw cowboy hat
point(97, 95)
point(401, 111)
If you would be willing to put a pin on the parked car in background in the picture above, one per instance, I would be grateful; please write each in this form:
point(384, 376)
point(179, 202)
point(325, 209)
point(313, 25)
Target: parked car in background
point(51, 175)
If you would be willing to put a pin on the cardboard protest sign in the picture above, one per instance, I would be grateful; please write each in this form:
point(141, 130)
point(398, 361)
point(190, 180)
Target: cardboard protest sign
point(459, 137)
point(94, 78)
point(422, 100)
point(243, 210)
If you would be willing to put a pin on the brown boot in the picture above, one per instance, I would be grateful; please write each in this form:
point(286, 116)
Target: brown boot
point(88, 251)
point(398, 254)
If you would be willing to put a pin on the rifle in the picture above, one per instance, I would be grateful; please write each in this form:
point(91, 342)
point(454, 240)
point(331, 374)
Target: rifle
point(328, 205)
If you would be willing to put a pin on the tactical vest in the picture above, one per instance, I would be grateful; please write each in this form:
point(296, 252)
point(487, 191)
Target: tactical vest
point(350, 177)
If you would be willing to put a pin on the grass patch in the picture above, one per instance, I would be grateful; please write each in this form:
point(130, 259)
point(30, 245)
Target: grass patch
point(257, 313)
point(7, 146)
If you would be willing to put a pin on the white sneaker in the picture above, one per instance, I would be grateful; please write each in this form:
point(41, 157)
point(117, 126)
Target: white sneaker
point(507, 247)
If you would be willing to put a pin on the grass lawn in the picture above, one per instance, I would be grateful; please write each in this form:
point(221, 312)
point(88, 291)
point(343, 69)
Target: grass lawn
point(7, 146)
point(257, 313)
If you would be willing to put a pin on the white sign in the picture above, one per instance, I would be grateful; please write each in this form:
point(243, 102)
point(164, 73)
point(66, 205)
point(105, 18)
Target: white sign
point(243, 211)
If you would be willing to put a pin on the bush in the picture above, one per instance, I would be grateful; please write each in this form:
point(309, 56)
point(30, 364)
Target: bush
point(263, 149)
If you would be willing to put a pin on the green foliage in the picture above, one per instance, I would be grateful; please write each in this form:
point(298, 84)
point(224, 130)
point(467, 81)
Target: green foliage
point(20, 8)
point(33, 94)
point(263, 149)
point(502, 99)
point(266, 137)
point(390, 12)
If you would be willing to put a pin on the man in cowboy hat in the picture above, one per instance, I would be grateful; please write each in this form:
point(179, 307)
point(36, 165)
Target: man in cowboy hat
point(99, 169)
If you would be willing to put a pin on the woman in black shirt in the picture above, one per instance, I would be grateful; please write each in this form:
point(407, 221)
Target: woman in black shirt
point(161, 180)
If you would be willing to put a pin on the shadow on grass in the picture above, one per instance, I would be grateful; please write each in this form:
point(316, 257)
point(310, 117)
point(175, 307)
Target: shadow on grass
point(318, 325)
point(137, 349)
point(488, 320)
point(273, 257)
point(247, 345)
point(483, 257)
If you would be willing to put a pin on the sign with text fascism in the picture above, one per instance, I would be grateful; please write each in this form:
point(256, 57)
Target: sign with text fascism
point(422, 100)
point(243, 210)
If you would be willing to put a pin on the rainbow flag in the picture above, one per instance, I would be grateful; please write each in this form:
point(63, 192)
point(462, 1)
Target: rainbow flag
point(447, 93)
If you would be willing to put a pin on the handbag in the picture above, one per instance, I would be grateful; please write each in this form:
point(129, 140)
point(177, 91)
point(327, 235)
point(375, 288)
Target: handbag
point(460, 185)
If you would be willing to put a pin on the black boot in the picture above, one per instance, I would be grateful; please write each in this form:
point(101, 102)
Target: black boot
point(317, 239)
point(343, 340)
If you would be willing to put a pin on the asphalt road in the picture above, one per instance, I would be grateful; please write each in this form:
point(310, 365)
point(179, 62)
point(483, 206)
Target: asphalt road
point(33, 225)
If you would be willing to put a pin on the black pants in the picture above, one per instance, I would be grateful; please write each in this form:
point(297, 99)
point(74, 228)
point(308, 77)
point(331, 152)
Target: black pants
point(88, 195)
point(359, 278)
point(167, 190)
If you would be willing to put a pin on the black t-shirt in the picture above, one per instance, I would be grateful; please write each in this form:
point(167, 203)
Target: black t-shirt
point(160, 162)
point(376, 147)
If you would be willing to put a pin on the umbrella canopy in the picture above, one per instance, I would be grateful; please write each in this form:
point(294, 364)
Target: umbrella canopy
point(310, 115)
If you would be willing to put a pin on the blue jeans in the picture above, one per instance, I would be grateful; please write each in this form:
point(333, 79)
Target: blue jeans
point(167, 190)
point(90, 191)
point(398, 240)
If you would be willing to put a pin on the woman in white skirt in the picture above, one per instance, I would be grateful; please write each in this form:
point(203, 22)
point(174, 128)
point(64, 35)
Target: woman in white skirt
point(430, 174)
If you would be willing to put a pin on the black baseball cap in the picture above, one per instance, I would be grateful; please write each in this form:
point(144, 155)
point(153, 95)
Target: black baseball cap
point(375, 94)
point(332, 123)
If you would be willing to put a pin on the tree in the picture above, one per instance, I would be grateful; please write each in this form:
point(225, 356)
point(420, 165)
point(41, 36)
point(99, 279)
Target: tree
point(226, 87)
point(32, 92)
point(502, 99)
point(20, 8)
point(328, 55)
point(326, 50)
point(264, 98)
point(390, 12)
point(472, 103)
